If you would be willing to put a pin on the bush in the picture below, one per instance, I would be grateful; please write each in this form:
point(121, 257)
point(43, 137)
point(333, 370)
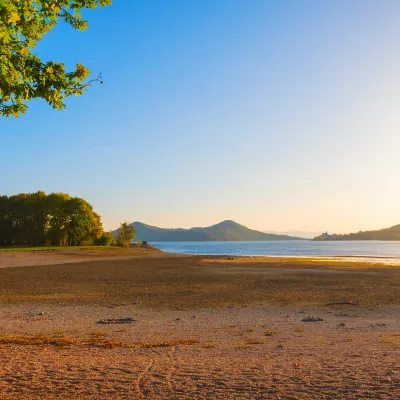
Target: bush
point(106, 239)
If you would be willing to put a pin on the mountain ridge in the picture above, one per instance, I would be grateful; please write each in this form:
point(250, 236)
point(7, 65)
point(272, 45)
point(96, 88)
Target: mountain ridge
point(392, 233)
point(227, 230)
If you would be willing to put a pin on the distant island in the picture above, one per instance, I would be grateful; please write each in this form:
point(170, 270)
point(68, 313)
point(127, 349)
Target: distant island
point(296, 233)
point(224, 231)
point(392, 233)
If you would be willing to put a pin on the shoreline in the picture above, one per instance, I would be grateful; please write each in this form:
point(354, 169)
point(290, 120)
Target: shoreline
point(337, 258)
point(24, 258)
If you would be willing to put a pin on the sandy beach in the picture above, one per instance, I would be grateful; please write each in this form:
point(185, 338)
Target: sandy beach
point(160, 326)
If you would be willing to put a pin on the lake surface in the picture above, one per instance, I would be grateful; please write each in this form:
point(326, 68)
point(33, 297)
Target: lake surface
point(285, 248)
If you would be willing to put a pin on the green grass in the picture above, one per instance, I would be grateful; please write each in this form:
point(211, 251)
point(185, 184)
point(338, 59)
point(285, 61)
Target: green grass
point(50, 248)
point(63, 248)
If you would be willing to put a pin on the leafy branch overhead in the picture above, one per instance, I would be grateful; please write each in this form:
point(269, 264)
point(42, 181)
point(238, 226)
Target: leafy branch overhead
point(23, 75)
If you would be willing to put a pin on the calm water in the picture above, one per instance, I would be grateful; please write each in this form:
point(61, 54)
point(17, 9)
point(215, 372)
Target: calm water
point(285, 248)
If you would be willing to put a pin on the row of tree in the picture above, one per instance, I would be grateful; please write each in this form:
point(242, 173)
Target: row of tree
point(36, 219)
point(122, 237)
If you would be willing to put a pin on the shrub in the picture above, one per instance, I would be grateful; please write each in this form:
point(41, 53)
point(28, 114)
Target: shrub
point(106, 239)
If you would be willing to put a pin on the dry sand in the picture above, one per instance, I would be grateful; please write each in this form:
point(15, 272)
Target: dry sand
point(231, 329)
point(25, 258)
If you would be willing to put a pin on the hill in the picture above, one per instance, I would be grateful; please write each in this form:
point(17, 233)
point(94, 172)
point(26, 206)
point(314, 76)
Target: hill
point(300, 234)
point(224, 231)
point(392, 233)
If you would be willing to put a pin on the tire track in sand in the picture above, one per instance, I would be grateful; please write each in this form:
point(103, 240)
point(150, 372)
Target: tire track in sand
point(142, 376)
point(172, 370)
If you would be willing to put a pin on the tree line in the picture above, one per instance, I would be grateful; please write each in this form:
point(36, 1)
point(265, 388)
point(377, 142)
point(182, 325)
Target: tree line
point(36, 219)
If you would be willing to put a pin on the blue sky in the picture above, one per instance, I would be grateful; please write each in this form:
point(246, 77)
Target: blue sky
point(277, 114)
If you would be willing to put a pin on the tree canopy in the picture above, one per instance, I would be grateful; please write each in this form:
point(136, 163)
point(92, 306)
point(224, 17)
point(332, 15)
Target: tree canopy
point(125, 234)
point(36, 218)
point(23, 75)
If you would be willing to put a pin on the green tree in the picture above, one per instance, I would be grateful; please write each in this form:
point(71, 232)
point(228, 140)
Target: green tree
point(37, 203)
point(21, 222)
point(56, 232)
point(106, 239)
point(81, 221)
point(35, 218)
point(5, 221)
point(125, 234)
point(23, 75)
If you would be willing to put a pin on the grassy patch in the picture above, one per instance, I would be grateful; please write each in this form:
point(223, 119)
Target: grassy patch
point(167, 343)
point(95, 340)
point(394, 339)
point(242, 346)
point(208, 345)
point(270, 333)
point(49, 248)
point(74, 249)
point(255, 341)
point(60, 341)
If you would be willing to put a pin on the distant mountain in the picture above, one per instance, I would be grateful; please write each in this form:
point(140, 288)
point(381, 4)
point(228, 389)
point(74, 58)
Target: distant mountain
point(224, 231)
point(301, 234)
point(392, 233)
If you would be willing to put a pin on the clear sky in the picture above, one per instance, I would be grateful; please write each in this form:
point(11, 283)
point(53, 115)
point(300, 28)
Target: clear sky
point(276, 114)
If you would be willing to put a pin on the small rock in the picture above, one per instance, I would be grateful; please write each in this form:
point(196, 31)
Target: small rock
point(194, 316)
point(177, 319)
point(115, 321)
point(377, 325)
point(343, 303)
point(312, 319)
point(342, 324)
point(113, 305)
